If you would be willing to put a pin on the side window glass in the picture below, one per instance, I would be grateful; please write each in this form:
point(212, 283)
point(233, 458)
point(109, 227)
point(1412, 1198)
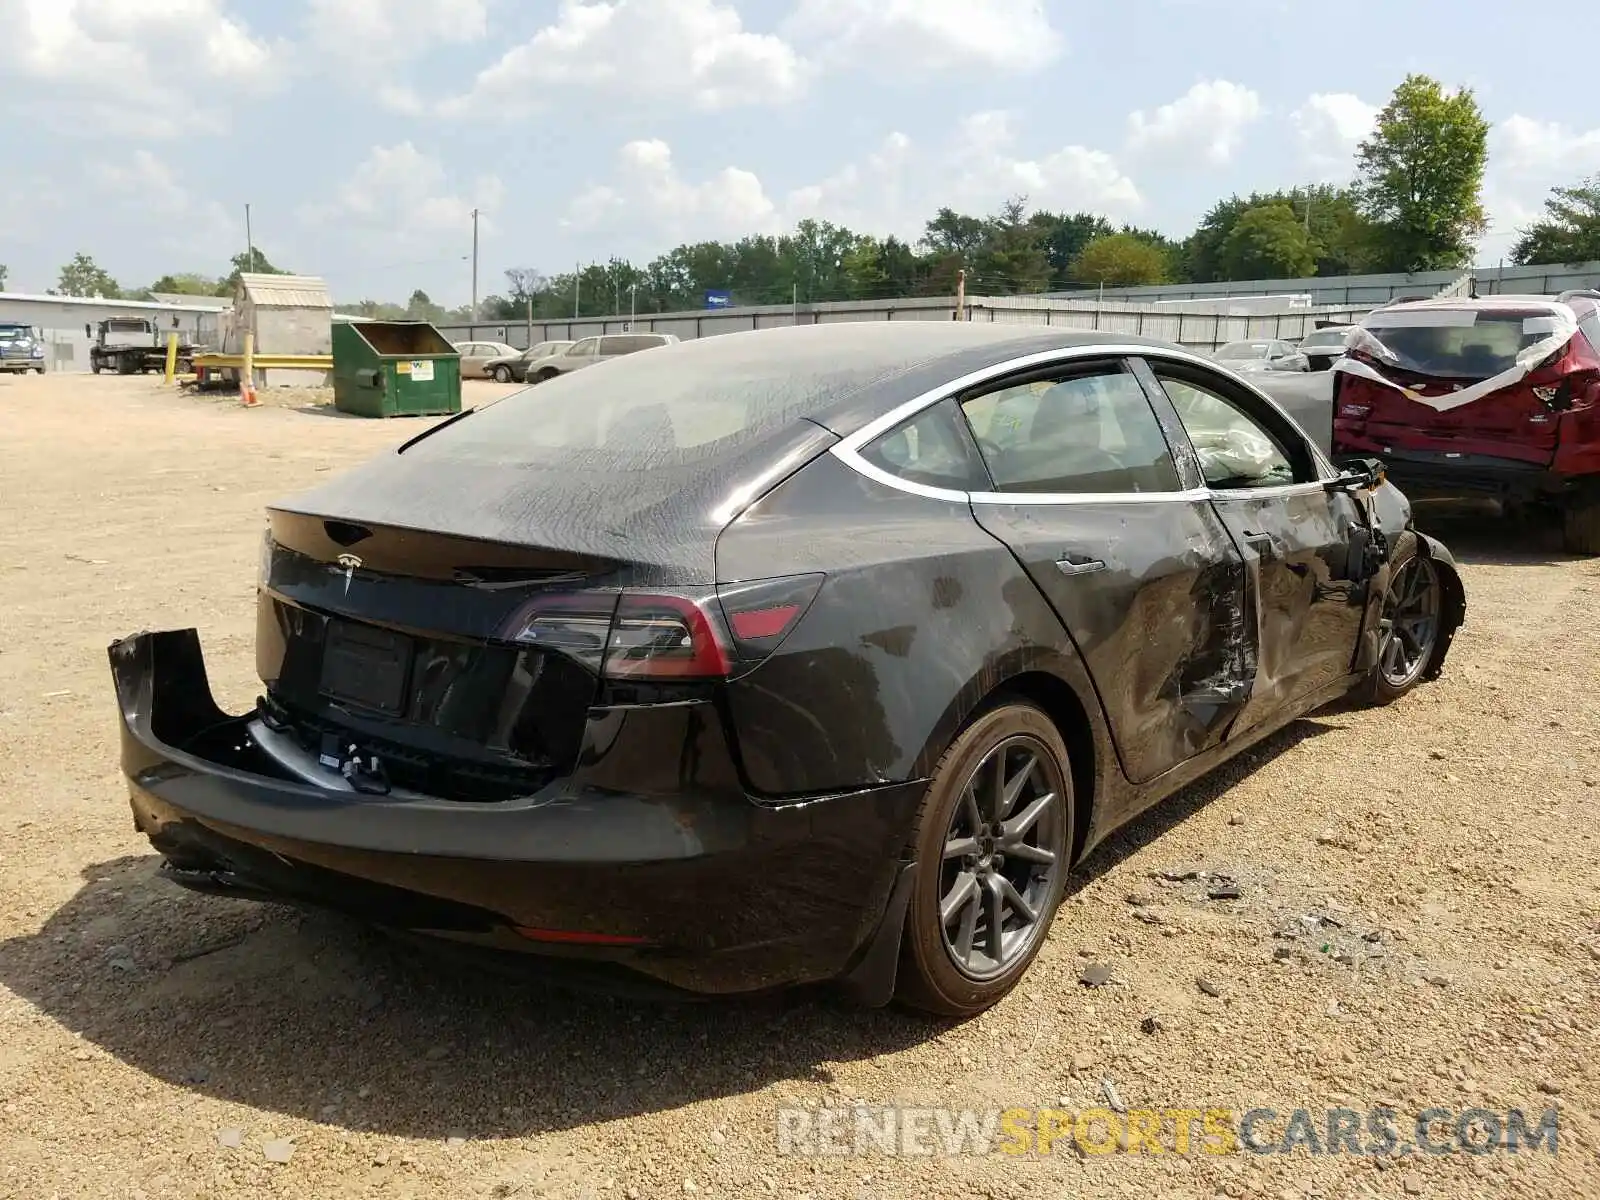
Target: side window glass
point(931, 449)
point(1234, 450)
point(1087, 433)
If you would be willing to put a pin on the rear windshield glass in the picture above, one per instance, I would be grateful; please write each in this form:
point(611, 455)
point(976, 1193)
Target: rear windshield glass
point(1458, 350)
point(645, 411)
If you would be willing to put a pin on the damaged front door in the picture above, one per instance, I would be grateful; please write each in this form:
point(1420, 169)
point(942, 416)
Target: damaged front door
point(1141, 571)
point(1306, 588)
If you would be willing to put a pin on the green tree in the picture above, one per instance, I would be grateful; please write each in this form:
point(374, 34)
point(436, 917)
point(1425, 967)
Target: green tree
point(1012, 257)
point(1420, 177)
point(1063, 237)
point(1268, 242)
point(85, 277)
point(186, 283)
point(252, 261)
point(1569, 231)
point(1120, 260)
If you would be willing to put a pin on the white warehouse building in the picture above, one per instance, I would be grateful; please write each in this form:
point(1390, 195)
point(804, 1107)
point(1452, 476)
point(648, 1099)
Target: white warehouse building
point(62, 320)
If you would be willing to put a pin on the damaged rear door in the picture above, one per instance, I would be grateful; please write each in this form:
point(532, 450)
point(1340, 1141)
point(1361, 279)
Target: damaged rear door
point(1300, 540)
point(1141, 571)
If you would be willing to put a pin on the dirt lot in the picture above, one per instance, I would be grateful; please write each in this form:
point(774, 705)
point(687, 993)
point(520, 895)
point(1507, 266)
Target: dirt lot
point(1418, 921)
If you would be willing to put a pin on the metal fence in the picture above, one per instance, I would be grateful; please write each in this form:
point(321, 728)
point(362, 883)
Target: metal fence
point(1197, 330)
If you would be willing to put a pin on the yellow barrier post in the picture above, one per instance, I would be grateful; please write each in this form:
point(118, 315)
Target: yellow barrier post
point(172, 356)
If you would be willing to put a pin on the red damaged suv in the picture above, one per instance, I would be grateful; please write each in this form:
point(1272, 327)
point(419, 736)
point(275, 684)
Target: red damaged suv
point(1497, 396)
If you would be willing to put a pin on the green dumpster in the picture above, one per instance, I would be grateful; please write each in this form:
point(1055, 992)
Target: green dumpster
point(394, 369)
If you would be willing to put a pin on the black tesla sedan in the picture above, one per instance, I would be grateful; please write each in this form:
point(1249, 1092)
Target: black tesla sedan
point(805, 654)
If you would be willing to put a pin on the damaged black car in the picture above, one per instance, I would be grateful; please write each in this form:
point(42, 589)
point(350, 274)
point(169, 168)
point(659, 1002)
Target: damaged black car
point(799, 655)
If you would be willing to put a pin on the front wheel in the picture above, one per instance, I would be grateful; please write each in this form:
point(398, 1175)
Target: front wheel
point(1408, 630)
point(992, 843)
point(545, 375)
point(502, 374)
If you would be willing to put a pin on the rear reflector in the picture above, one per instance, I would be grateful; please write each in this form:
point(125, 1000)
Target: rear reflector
point(574, 937)
point(759, 623)
point(762, 612)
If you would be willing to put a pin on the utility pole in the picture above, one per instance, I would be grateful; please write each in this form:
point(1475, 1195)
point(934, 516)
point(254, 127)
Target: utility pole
point(577, 287)
point(961, 294)
point(249, 243)
point(633, 304)
point(474, 265)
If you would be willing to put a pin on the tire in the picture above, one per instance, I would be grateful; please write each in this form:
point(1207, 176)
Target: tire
point(94, 367)
point(1580, 529)
point(545, 375)
point(502, 374)
point(1391, 680)
point(935, 975)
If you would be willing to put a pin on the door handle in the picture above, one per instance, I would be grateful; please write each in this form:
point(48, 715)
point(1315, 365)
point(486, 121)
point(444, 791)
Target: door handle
point(1079, 566)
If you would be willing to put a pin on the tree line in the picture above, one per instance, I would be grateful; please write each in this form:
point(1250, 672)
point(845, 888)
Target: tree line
point(1414, 203)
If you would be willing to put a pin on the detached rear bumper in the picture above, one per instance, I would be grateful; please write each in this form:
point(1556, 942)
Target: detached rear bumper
point(701, 887)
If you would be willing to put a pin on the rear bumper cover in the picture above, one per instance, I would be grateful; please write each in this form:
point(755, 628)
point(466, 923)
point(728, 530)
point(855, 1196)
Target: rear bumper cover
point(724, 892)
point(1425, 473)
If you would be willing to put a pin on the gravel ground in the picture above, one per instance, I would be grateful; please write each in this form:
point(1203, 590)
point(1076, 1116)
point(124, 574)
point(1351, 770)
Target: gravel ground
point(1417, 921)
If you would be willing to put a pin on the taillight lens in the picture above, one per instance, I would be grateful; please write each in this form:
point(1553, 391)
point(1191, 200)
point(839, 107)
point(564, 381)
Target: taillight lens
point(659, 636)
point(668, 636)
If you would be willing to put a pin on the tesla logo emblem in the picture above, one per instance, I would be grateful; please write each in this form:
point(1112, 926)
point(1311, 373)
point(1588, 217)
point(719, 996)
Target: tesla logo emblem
point(350, 563)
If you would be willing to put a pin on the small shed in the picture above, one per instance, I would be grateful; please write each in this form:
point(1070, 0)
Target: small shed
point(394, 369)
point(289, 314)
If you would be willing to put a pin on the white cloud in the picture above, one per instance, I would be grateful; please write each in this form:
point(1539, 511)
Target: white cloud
point(650, 191)
point(400, 198)
point(107, 66)
point(928, 35)
point(650, 203)
point(1527, 158)
point(389, 33)
point(177, 218)
point(640, 52)
point(1070, 177)
point(1329, 127)
point(1207, 121)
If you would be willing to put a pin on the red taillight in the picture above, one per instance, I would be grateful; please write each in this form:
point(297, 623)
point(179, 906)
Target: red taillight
point(668, 636)
point(659, 636)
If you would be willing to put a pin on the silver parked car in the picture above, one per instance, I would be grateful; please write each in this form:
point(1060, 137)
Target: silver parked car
point(1318, 350)
point(476, 357)
point(515, 368)
point(591, 350)
point(1256, 354)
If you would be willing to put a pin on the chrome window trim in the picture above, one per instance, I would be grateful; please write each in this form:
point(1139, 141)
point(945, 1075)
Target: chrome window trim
point(848, 450)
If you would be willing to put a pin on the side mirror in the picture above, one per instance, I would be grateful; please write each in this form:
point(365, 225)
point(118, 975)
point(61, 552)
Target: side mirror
point(1364, 474)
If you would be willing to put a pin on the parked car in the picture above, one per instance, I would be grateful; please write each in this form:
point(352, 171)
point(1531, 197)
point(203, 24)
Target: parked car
point(1256, 354)
point(21, 348)
point(476, 357)
point(1497, 397)
point(510, 368)
point(590, 350)
point(815, 653)
point(1317, 350)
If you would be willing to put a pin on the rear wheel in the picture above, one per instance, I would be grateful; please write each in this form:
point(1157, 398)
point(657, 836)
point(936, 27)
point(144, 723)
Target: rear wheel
point(992, 844)
point(1580, 529)
point(502, 374)
point(1408, 630)
point(545, 374)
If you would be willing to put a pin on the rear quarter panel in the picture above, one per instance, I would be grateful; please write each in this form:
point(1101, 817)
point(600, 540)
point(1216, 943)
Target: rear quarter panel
point(921, 617)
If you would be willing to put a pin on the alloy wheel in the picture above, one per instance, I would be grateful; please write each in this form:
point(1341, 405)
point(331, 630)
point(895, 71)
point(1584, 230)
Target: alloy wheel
point(1004, 854)
point(1410, 624)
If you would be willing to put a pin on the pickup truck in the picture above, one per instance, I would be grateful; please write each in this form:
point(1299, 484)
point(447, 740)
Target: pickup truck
point(21, 348)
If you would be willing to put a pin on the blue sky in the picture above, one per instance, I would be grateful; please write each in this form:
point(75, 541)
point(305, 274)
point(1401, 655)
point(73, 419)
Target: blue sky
point(363, 132)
